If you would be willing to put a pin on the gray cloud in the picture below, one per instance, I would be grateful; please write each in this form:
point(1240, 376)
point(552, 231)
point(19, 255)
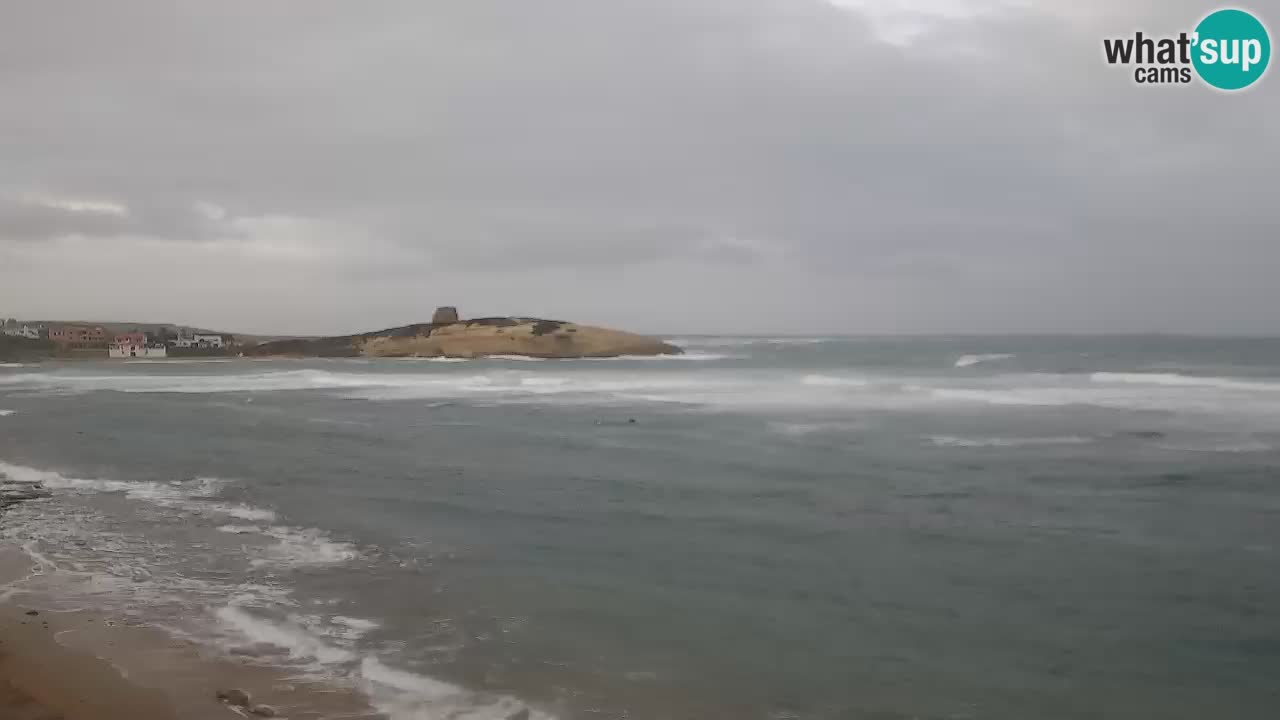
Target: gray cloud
point(687, 165)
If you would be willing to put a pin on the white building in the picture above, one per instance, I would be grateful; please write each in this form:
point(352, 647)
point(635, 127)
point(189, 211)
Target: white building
point(208, 341)
point(31, 332)
point(136, 350)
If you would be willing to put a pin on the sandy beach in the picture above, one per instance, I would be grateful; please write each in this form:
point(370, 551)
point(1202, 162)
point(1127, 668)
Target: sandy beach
point(42, 679)
point(79, 665)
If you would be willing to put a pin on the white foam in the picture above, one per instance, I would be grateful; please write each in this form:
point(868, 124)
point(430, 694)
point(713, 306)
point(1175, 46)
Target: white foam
point(325, 646)
point(976, 442)
point(290, 637)
point(544, 382)
point(354, 627)
point(971, 360)
point(245, 512)
point(7, 413)
point(1184, 381)
point(240, 529)
point(186, 495)
point(303, 546)
point(407, 696)
point(832, 381)
point(1012, 396)
point(294, 547)
point(685, 356)
point(515, 358)
point(12, 365)
point(1229, 444)
point(792, 429)
point(710, 387)
point(745, 341)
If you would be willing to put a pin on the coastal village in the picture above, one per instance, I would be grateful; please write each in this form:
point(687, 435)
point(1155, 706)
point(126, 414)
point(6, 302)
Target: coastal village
point(447, 335)
point(98, 340)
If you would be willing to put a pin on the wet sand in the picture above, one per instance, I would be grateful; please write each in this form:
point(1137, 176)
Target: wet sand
point(77, 665)
point(42, 680)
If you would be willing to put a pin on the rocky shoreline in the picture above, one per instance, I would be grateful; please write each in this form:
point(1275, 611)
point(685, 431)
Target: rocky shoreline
point(13, 491)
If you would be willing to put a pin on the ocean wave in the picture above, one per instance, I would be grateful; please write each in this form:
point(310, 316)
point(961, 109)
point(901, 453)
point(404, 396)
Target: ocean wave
point(746, 341)
point(1010, 396)
point(685, 356)
point(548, 382)
point(293, 547)
point(295, 640)
point(1183, 381)
point(971, 360)
point(239, 529)
point(710, 387)
point(512, 358)
point(1005, 442)
point(350, 628)
point(304, 546)
point(271, 381)
point(244, 512)
point(404, 695)
point(11, 365)
point(194, 495)
point(7, 413)
point(324, 647)
point(833, 381)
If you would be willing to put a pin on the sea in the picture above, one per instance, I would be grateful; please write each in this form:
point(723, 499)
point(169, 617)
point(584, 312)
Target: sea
point(771, 528)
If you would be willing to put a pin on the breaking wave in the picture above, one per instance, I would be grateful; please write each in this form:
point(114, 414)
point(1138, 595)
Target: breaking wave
point(258, 623)
point(1004, 442)
point(512, 358)
point(289, 546)
point(695, 384)
point(7, 413)
point(685, 356)
point(324, 647)
point(971, 360)
point(407, 696)
point(832, 381)
point(1184, 381)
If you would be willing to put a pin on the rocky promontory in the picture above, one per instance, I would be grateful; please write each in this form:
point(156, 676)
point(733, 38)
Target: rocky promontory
point(482, 337)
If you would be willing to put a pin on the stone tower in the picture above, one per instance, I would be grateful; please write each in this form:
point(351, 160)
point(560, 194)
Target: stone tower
point(445, 315)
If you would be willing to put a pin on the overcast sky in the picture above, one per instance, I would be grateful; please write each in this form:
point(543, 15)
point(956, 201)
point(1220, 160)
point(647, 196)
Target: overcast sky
point(806, 166)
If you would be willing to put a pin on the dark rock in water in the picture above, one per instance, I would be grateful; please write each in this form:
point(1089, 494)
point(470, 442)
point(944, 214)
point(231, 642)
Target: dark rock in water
point(263, 711)
point(235, 697)
point(521, 714)
point(15, 491)
point(33, 613)
point(631, 421)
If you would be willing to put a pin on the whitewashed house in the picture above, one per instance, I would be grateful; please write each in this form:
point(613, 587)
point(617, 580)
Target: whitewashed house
point(129, 351)
point(31, 332)
point(208, 341)
point(135, 345)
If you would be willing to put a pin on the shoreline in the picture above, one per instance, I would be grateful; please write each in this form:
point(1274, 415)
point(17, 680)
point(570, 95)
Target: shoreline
point(143, 655)
point(77, 664)
point(40, 677)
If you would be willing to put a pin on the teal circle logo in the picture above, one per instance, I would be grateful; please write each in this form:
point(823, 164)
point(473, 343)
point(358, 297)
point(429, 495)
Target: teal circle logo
point(1232, 49)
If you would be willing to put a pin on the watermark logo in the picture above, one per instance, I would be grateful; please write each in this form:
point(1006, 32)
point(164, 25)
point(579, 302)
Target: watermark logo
point(1228, 50)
